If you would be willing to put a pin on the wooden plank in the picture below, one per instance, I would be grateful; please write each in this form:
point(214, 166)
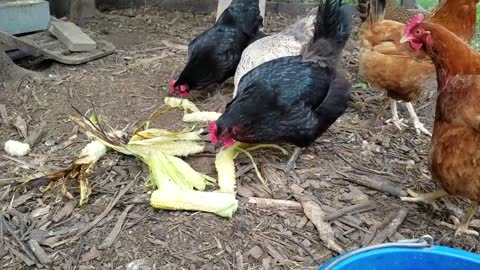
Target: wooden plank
point(223, 4)
point(36, 45)
point(14, 42)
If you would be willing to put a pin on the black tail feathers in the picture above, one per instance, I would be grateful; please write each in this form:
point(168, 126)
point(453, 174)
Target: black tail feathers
point(346, 24)
point(377, 9)
point(362, 7)
point(333, 26)
point(371, 9)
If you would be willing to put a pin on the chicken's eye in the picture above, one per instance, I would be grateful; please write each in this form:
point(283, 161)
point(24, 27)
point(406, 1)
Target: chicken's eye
point(417, 32)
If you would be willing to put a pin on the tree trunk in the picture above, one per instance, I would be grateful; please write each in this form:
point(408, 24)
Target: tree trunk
point(81, 10)
point(10, 73)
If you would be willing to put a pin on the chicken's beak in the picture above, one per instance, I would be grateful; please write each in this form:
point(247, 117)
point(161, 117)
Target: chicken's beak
point(404, 39)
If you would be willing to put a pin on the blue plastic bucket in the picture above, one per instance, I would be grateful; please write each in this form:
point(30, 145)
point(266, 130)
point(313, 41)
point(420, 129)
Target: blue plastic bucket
point(404, 257)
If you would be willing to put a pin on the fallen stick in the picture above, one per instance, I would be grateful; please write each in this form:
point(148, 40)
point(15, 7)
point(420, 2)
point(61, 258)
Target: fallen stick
point(9, 181)
point(35, 137)
point(22, 245)
point(116, 230)
point(351, 224)
point(391, 228)
point(292, 205)
point(21, 180)
point(315, 214)
point(39, 252)
point(21, 256)
point(21, 126)
point(273, 203)
point(378, 184)
point(176, 46)
point(299, 244)
point(3, 113)
point(3, 195)
point(135, 222)
point(65, 212)
point(239, 260)
point(349, 218)
point(349, 210)
point(369, 237)
point(26, 165)
point(99, 217)
point(275, 254)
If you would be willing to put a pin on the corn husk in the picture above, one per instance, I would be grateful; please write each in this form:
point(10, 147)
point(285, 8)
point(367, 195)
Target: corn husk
point(80, 171)
point(153, 135)
point(175, 169)
point(225, 164)
point(173, 194)
point(178, 186)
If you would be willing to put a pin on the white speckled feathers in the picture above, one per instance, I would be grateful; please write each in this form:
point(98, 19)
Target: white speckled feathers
point(283, 44)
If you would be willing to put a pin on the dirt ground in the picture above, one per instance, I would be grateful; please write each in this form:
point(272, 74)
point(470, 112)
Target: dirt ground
point(129, 85)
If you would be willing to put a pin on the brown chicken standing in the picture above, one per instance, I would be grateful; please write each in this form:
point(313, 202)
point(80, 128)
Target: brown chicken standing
point(455, 147)
point(393, 67)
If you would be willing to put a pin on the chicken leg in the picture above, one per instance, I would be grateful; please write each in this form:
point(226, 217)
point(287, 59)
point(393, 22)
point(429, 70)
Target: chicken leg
point(395, 120)
point(429, 198)
point(462, 227)
point(419, 127)
point(287, 168)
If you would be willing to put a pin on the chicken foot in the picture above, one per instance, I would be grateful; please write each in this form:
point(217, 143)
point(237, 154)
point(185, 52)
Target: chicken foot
point(462, 227)
point(287, 168)
point(419, 127)
point(395, 120)
point(429, 198)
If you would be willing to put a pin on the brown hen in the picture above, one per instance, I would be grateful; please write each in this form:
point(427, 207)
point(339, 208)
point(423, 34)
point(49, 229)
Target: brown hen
point(393, 67)
point(455, 147)
point(393, 11)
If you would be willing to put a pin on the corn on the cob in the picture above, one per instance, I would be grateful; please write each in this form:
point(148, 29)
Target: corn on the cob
point(201, 117)
point(221, 204)
point(184, 104)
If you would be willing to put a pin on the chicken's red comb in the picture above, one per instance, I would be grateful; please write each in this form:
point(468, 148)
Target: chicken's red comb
point(412, 23)
point(172, 86)
point(212, 132)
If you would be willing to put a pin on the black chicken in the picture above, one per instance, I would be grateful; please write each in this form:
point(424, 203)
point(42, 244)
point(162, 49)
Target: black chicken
point(214, 54)
point(292, 99)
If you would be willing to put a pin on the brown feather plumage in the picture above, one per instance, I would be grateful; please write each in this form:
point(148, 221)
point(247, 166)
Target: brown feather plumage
point(455, 148)
point(393, 67)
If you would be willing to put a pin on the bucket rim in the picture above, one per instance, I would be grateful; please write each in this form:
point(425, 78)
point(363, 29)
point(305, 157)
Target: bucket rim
point(409, 246)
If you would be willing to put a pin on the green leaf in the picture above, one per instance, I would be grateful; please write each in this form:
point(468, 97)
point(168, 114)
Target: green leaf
point(360, 85)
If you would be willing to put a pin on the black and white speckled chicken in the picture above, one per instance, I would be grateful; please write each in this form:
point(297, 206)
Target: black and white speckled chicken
point(286, 43)
point(292, 99)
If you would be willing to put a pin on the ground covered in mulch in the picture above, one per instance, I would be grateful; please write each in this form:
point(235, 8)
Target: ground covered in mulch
point(348, 166)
